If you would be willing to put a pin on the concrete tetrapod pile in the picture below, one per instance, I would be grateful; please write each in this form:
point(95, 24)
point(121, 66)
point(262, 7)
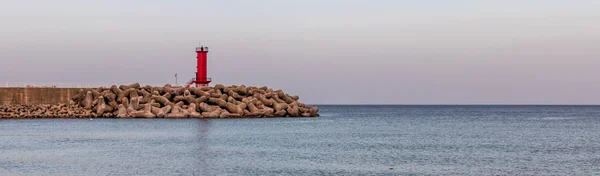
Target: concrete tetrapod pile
point(135, 101)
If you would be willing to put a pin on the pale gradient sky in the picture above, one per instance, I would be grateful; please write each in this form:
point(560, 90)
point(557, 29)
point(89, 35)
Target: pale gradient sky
point(325, 51)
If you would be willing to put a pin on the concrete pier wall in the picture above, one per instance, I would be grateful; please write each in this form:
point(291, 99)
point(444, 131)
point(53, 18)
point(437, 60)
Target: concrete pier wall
point(35, 95)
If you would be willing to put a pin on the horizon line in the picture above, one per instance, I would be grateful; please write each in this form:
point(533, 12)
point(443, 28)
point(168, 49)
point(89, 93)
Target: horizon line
point(455, 104)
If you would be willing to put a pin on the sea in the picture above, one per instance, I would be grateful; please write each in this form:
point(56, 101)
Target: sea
point(344, 140)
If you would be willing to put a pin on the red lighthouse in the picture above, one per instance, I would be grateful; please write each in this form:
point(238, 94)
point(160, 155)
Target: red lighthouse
point(201, 73)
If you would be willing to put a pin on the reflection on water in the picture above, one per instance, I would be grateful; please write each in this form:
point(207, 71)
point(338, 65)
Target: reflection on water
point(203, 132)
point(346, 140)
point(203, 144)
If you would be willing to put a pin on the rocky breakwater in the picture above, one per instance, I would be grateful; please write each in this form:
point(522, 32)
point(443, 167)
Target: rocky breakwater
point(135, 101)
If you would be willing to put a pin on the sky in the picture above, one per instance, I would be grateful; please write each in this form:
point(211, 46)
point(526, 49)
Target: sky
point(325, 51)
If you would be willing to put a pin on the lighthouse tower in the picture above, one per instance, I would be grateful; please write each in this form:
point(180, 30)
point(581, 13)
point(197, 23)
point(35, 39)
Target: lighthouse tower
point(201, 73)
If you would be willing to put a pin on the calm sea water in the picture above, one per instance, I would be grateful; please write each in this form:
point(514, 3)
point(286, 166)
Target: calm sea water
point(345, 140)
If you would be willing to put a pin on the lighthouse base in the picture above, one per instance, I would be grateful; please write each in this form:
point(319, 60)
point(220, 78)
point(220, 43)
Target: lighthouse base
point(199, 83)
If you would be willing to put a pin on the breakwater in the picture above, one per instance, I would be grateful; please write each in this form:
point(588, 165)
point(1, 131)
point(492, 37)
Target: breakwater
point(36, 95)
point(135, 101)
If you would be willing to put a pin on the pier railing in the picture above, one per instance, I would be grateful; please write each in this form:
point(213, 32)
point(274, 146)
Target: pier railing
point(66, 85)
